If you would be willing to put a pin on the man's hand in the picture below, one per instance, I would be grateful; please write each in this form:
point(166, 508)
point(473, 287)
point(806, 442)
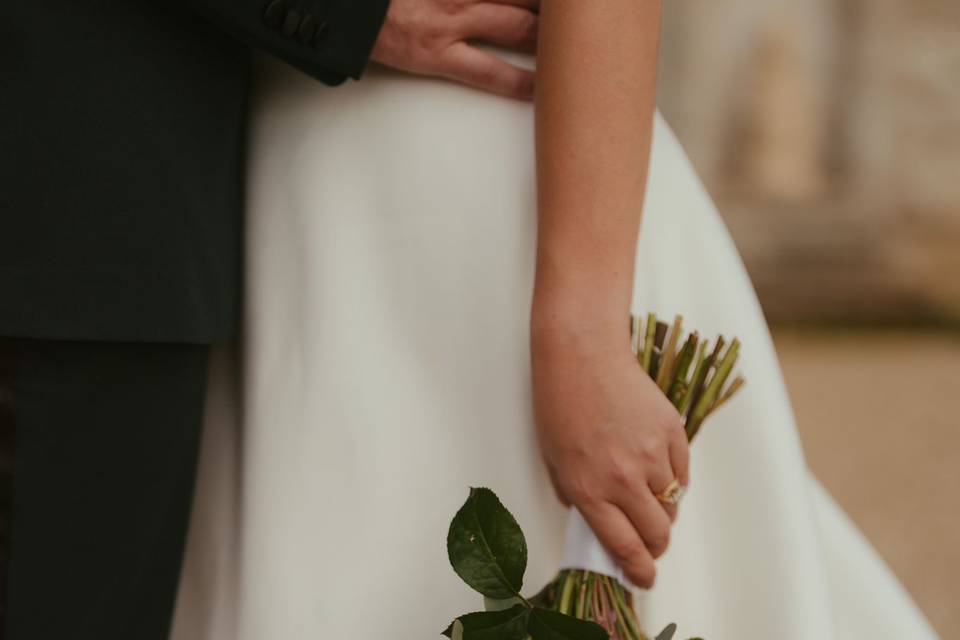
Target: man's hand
point(431, 37)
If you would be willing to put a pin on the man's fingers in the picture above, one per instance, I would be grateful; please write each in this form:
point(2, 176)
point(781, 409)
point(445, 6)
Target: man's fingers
point(503, 25)
point(618, 536)
point(469, 65)
point(532, 5)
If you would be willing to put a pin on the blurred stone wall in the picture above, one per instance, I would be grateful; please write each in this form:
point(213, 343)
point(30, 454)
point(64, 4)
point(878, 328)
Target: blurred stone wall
point(828, 131)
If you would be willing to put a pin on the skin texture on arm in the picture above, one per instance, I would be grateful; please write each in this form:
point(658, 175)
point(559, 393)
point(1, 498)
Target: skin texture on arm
point(609, 437)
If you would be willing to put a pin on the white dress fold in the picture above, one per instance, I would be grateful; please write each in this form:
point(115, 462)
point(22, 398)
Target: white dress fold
point(391, 237)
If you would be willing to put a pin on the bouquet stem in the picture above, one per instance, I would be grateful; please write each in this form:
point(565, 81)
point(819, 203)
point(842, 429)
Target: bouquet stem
point(587, 600)
point(592, 596)
point(693, 375)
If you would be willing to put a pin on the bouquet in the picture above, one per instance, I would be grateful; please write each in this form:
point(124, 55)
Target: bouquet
point(587, 600)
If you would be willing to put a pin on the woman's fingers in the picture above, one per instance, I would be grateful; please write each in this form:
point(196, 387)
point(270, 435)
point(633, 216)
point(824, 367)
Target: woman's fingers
point(503, 25)
point(648, 517)
point(483, 70)
point(618, 535)
point(557, 486)
point(680, 454)
point(669, 509)
point(659, 476)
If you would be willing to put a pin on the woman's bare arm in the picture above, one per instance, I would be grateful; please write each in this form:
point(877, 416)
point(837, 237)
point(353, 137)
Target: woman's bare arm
point(595, 96)
point(609, 436)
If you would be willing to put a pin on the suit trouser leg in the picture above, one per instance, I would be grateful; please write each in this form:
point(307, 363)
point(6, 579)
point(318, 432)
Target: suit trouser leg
point(6, 477)
point(106, 439)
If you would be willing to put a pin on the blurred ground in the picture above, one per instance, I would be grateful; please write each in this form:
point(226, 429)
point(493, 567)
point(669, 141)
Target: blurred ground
point(880, 425)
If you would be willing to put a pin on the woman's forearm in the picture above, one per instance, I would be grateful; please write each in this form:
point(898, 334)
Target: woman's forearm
point(608, 434)
point(595, 98)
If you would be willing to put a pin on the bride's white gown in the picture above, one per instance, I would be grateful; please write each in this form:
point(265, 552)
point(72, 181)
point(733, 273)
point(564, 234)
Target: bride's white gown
point(391, 238)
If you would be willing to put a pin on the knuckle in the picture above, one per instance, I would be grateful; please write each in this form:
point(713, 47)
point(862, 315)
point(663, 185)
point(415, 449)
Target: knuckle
point(426, 49)
point(623, 475)
point(658, 542)
point(629, 551)
point(453, 7)
point(650, 451)
point(486, 73)
point(583, 493)
point(431, 44)
point(528, 26)
point(673, 423)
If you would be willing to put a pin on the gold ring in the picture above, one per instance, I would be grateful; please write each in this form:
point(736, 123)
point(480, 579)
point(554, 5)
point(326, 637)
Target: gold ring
point(672, 494)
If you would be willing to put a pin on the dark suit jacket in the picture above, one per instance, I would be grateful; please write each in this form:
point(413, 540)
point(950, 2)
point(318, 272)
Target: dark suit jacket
point(121, 155)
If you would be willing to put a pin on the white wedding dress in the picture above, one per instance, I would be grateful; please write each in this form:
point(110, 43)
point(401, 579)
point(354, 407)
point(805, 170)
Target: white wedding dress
point(391, 238)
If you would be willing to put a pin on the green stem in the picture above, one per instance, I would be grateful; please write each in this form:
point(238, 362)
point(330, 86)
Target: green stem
point(679, 383)
point(627, 613)
point(588, 590)
point(636, 341)
point(731, 391)
point(659, 334)
point(709, 397)
point(581, 595)
point(566, 593)
point(689, 392)
point(618, 616)
point(665, 375)
point(701, 384)
point(648, 341)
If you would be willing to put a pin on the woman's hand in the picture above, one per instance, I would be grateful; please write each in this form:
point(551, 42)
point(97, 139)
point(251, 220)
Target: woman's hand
point(610, 438)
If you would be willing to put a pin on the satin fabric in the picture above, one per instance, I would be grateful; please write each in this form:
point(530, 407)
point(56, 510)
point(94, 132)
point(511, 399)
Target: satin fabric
point(391, 240)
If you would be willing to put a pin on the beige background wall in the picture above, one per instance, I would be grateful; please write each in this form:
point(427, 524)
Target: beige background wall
point(828, 131)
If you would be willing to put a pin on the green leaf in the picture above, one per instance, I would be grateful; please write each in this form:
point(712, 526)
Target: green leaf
point(667, 633)
point(510, 624)
point(486, 546)
point(550, 625)
point(493, 604)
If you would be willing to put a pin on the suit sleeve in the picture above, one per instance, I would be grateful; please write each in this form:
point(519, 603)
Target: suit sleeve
point(330, 40)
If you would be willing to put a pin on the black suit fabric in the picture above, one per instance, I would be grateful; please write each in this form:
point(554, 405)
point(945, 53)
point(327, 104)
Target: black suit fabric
point(121, 208)
point(105, 445)
point(121, 155)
